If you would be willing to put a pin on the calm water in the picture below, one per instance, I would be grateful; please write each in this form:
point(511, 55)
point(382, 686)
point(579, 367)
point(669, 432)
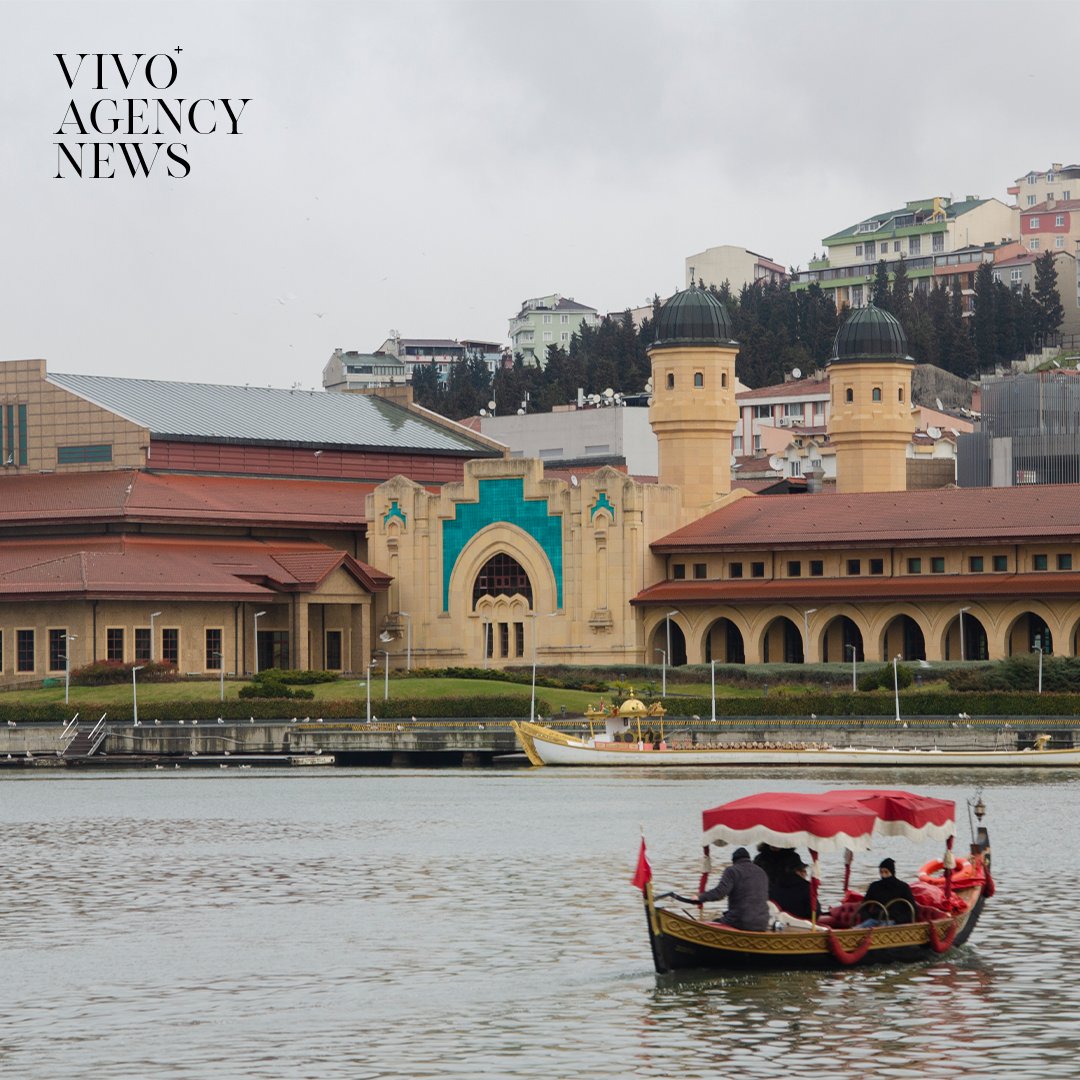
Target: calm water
point(361, 923)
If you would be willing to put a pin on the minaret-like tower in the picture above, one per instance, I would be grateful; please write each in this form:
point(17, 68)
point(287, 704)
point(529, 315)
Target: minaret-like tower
point(870, 421)
point(693, 410)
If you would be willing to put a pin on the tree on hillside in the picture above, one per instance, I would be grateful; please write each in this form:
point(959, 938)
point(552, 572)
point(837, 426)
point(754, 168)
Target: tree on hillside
point(900, 299)
point(983, 331)
point(880, 291)
point(427, 390)
point(1049, 312)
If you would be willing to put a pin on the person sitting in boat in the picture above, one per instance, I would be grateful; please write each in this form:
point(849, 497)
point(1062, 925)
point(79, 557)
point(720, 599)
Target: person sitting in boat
point(776, 861)
point(747, 888)
point(791, 892)
point(888, 900)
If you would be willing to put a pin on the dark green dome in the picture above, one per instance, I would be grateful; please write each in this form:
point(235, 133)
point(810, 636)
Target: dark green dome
point(870, 334)
point(693, 317)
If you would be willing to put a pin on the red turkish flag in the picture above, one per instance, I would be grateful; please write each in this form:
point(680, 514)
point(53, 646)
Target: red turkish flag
point(643, 873)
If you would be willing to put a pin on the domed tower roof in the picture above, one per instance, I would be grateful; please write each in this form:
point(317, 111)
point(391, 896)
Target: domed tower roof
point(693, 317)
point(870, 334)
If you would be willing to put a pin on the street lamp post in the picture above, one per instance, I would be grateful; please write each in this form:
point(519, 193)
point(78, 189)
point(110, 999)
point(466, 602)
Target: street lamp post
point(258, 616)
point(806, 632)
point(962, 656)
point(221, 672)
point(854, 654)
point(534, 615)
point(667, 655)
point(68, 639)
point(663, 672)
point(386, 674)
point(153, 615)
point(1039, 649)
point(712, 687)
point(896, 686)
point(408, 639)
point(135, 696)
point(367, 683)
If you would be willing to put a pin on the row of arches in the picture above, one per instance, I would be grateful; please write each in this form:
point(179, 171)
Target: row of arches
point(841, 638)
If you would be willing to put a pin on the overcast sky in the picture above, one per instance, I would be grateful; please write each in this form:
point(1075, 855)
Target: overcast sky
point(427, 167)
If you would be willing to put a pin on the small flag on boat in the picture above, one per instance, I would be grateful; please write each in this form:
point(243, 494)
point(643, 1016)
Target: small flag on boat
point(643, 873)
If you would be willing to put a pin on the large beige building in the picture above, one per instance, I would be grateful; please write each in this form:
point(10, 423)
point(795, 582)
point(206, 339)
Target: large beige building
point(735, 265)
point(230, 527)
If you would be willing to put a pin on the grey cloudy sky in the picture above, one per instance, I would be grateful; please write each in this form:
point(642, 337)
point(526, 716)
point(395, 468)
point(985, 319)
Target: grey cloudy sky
point(426, 167)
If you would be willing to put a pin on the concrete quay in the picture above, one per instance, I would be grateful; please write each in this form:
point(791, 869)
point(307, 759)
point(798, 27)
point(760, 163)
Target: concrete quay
point(481, 742)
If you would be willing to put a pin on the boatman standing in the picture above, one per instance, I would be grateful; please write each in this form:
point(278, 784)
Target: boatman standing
point(747, 888)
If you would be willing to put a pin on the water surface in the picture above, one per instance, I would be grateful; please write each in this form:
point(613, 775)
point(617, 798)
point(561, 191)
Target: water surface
point(375, 923)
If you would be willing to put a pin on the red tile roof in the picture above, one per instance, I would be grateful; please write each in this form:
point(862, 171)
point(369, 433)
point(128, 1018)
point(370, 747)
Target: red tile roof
point(800, 591)
point(901, 517)
point(1045, 208)
point(182, 568)
point(143, 496)
point(796, 388)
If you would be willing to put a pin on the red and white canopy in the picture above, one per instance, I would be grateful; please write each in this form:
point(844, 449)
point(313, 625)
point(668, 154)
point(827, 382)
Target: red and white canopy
point(830, 821)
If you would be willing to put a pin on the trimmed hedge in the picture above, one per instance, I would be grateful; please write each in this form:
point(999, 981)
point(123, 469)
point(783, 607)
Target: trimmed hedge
point(1060, 675)
point(109, 672)
point(509, 705)
point(878, 703)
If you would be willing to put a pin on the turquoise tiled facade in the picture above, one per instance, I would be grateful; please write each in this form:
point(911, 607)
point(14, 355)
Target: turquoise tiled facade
point(602, 503)
point(503, 501)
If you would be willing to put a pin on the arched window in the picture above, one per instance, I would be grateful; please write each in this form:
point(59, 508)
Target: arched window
point(876, 394)
point(899, 393)
point(723, 378)
point(849, 395)
point(670, 381)
point(699, 379)
point(501, 575)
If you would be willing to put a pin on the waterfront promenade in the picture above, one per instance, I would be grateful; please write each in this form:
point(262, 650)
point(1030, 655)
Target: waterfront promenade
point(479, 742)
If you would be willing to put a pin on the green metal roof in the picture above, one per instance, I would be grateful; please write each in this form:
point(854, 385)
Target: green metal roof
point(953, 210)
point(870, 334)
point(261, 414)
point(694, 317)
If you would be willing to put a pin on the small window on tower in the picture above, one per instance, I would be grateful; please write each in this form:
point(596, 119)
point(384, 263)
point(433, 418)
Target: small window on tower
point(899, 393)
point(723, 378)
point(849, 395)
point(699, 379)
point(875, 394)
point(670, 381)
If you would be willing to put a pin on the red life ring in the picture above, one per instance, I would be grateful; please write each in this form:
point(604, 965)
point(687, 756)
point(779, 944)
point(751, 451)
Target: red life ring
point(963, 872)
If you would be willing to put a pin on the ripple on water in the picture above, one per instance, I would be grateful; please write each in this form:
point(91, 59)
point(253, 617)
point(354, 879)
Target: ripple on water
point(367, 924)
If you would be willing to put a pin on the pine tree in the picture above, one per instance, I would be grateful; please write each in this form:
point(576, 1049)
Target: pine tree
point(880, 295)
point(983, 330)
point(900, 299)
point(1049, 312)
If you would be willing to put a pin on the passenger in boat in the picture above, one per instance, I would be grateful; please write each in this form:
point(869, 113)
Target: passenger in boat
point(884, 902)
point(791, 893)
point(747, 888)
point(776, 861)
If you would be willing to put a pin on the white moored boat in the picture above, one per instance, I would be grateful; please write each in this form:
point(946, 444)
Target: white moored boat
point(545, 746)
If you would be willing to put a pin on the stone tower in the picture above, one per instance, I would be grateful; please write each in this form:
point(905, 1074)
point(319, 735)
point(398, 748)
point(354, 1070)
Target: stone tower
point(870, 422)
point(693, 410)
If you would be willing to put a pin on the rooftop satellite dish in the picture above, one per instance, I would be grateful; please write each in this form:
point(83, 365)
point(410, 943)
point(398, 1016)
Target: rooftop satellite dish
point(648, 387)
point(386, 636)
point(796, 373)
point(609, 393)
point(573, 480)
point(491, 405)
point(483, 412)
point(933, 432)
point(733, 459)
point(776, 462)
point(937, 402)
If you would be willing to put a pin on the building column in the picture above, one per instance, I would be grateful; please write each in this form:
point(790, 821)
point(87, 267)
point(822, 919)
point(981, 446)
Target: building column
point(299, 634)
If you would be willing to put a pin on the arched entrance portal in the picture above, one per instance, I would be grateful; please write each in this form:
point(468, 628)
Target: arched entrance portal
point(1028, 633)
point(841, 636)
point(782, 642)
point(975, 645)
point(724, 643)
point(502, 597)
point(903, 637)
point(677, 656)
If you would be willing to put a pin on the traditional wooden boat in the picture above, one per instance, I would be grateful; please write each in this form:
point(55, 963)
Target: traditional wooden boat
point(836, 821)
point(545, 746)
